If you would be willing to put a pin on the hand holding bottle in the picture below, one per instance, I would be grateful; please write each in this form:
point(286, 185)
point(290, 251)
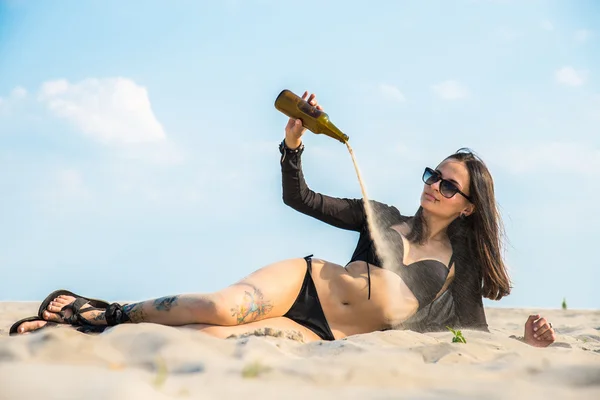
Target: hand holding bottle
point(294, 129)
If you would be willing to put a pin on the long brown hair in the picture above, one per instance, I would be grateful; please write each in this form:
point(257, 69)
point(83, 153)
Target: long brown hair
point(478, 237)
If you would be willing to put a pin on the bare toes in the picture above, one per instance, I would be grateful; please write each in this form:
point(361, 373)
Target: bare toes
point(50, 316)
point(65, 299)
point(55, 307)
point(31, 326)
point(59, 302)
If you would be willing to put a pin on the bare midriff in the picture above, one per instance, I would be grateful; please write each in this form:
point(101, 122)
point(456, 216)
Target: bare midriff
point(344, 296)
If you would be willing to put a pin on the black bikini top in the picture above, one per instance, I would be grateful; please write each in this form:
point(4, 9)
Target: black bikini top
point(424, 278)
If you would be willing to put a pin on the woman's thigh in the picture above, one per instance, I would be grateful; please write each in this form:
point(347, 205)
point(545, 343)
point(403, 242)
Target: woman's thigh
point(266, 293)
point(278, 327)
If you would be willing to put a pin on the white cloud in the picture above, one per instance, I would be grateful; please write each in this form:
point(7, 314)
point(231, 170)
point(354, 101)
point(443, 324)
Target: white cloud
point(7, 103)
point(18, 93)
point(570, 76)
point(582, 35)
point(547, 25)
point(55, 88)
point(112, 110)
point(450, 90)
point(391, 92)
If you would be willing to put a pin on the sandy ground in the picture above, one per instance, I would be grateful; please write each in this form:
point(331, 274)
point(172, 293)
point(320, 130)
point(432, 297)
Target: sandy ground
point(148, 361)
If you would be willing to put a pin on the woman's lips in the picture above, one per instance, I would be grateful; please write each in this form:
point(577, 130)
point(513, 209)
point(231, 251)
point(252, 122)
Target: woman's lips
point(430, 197)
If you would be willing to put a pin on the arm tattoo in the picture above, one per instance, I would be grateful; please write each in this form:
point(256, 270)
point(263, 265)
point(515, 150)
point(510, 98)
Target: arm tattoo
point(165, 303)
point(252, 308)
point(135, 312)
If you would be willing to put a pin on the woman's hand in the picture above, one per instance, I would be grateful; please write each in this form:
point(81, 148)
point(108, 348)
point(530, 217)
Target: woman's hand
point(539, 332)
point(294, 129)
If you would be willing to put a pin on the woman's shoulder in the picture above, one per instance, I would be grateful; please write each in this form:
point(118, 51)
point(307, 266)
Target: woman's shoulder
point(389, 213)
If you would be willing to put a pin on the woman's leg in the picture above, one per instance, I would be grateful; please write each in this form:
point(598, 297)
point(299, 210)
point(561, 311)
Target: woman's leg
point(266, 293)
point(278, 327)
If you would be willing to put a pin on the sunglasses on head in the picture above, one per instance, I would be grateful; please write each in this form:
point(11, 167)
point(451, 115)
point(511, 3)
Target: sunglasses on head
point(447, 188)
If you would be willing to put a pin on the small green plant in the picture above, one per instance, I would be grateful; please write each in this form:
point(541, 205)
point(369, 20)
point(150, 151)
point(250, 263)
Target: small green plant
point(458, 336)
point(161, 372)
point(254, 369)
point(564, 304)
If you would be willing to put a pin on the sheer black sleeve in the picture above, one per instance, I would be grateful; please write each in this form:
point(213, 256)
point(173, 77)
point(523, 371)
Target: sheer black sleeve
point(468, 297)
point(342, 213)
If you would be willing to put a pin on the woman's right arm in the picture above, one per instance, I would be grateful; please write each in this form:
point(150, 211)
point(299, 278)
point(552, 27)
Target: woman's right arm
point(342, 213)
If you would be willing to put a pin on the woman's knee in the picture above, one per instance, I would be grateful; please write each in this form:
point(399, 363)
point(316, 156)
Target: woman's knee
point(239, 304)
point(208, 309)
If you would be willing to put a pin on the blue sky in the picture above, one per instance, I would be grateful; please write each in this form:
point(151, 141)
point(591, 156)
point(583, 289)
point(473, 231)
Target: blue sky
point(138, 140)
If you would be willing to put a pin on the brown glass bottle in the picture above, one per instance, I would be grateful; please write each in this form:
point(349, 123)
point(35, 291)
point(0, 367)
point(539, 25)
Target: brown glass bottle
point(312, 118)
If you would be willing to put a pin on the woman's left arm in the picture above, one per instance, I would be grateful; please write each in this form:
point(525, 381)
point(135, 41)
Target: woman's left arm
point(466, 290)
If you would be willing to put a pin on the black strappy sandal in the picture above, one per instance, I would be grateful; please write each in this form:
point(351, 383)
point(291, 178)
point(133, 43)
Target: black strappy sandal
point(114, 313)
point(80, 301)
point(76, 319)
point(75, 307)
point(89, 329)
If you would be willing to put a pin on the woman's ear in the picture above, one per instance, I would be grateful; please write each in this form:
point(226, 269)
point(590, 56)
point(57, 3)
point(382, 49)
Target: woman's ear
point(468, 210)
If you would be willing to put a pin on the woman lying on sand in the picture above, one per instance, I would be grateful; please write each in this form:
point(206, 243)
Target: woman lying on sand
point(445, 259)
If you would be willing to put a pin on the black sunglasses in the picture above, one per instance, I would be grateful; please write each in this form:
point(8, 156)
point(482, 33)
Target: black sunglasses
point(447, 189)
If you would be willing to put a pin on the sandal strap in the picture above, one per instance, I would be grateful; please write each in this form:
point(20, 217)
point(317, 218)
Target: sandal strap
point(75, 307)
point(92, 328)
point(115, 315)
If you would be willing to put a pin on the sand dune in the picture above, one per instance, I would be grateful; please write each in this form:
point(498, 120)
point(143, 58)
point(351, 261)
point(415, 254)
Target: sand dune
point(148, 361)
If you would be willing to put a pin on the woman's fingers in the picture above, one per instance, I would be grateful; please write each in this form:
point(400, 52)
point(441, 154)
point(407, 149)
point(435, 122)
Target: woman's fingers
point(549, 335)
point(294, 126)
point(540, 332)
point(310, 98)
point(290, 124)
point(539, 323)
point(293, 132)
point(541, 329)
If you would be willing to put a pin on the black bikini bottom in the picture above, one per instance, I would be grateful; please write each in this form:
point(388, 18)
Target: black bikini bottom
point(307, 310)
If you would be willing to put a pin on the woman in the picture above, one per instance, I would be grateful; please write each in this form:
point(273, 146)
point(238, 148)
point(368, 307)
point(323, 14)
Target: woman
point(439, 264)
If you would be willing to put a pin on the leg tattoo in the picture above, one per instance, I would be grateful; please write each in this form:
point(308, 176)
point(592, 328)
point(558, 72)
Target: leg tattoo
point(100, 317)
point(135, 312)
point(165, 303)
point(253, 307)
